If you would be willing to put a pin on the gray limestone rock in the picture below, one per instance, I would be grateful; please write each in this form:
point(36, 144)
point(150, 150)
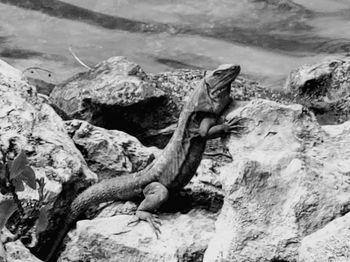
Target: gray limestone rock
point(289, 179)
point(29, 124)
point(110, 153)
point(324, 88)
point(114, 95)
point(184, 238)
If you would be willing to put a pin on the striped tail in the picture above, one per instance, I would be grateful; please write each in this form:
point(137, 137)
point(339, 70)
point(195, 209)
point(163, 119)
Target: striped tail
point(54, 252)
point(118, 188)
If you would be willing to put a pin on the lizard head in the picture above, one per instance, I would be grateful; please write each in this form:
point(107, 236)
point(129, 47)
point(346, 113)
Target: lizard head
point(214, 94)
point(219, 81)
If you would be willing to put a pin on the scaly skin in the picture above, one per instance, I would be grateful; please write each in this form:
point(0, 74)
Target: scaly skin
point(177, 164)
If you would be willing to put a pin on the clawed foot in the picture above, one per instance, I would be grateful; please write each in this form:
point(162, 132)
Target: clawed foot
point(152, 219)
point(236, 125)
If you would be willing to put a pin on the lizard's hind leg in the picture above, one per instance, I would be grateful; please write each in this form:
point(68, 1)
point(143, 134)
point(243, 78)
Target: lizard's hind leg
point(155, 195)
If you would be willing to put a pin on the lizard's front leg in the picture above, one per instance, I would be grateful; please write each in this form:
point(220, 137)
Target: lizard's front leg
point(155, 195)
point(209, 128)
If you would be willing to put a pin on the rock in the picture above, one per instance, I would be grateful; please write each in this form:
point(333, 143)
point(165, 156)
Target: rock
point(112, 95)
point(205, 188)
point(331, 243)
point(17, 252)
point(29, 124)
point(246, 90)
point(184, 238)
point(289, 179)
point(324, 88)
point(37, 129)
point(110, 153)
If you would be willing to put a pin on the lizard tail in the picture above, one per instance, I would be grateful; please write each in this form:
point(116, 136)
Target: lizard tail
point(54, 251)
point(92, 195)
point(119, 188)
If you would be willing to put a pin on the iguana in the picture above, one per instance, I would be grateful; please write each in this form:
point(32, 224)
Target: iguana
point(178, 162)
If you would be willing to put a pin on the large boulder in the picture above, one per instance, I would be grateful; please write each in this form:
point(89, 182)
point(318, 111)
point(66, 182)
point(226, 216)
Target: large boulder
point(289, 179)
point(184, 237)
point(118, 94)
point(324, 88)
point(110, 153)
point(331, 243)
point(27, 123)
point(35, 127)
point(114, 95)
point(16, 251)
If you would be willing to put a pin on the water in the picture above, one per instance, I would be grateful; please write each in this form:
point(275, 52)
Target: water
point(267, 38)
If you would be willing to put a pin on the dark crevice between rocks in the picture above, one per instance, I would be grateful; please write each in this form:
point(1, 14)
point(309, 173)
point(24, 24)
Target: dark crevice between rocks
point(187, 200)
point(191, 256)
point(315, 88)
point(279, 260)
point(135, 120)
point(60, 209)
point(22, 226)
point(60, 112)
point(344, 210)
point(332, 118)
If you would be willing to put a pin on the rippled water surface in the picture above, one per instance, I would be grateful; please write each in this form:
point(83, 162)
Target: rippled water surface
point(267, 38)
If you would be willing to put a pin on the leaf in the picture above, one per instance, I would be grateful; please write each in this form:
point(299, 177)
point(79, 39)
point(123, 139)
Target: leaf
point(7, 207)
point(28, 176)
point(43, 221)
point(18, 164)
point(18, 184)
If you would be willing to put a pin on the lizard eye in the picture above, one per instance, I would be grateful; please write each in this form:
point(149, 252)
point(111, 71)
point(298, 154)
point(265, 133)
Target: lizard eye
point(216, 73)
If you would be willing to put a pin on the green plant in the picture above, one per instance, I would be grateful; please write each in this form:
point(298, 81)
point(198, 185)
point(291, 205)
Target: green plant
point(13, 174)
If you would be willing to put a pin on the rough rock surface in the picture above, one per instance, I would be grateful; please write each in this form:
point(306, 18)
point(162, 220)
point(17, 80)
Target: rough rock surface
point(34, 126)
point(113, 95)
point(288, 180)
point(110, 152)
point(331, 243)
point(324, 88)
point(40, 132)
point(184, 238)
point(16, 251)
point(117, 94)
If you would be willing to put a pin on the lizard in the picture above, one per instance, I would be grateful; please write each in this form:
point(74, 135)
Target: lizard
point(199, 120)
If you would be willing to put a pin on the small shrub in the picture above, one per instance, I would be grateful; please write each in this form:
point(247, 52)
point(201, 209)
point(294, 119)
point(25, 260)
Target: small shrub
point(13, 174)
